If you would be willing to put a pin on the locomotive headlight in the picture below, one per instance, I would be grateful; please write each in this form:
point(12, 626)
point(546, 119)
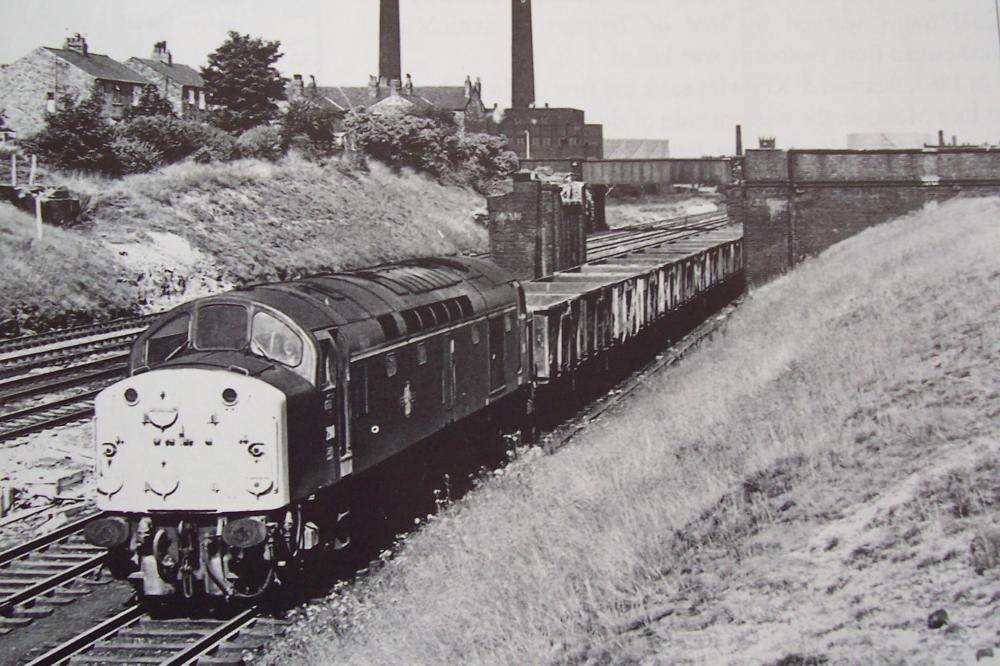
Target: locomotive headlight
point(106, 532)
point(131, 396)
point(229, 396)
point(244, 533)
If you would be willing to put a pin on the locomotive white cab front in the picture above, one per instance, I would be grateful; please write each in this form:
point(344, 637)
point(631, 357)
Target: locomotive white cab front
point(191, 439)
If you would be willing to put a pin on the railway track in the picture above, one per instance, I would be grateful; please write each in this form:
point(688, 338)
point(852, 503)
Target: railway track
point(638, 240)
point(134, 637)
point(51, 570)
point(71, 336)
point(27, 420)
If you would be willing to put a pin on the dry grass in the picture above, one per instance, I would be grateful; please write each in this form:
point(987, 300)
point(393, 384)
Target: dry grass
point(262, 220)
point(64, 275)
point(690, 527)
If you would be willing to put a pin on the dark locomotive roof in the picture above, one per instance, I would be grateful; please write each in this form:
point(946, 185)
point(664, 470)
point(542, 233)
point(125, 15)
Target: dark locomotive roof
point(379, 304)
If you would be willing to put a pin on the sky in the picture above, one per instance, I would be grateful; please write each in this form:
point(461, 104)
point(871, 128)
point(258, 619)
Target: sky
point(808, 72)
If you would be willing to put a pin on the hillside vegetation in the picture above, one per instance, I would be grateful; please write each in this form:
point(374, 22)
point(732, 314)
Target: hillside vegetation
point(809, 487)
point(191, 229)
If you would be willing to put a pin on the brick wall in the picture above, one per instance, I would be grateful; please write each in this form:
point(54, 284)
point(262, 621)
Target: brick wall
point(827, 196)
point(533, 233)
point(514, 221)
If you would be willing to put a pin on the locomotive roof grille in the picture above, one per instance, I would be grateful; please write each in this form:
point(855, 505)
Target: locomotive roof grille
point(424, 317)
point(411, 279)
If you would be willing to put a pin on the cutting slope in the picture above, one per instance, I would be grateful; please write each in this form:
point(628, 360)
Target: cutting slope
point(192, 229)
point(805, 488)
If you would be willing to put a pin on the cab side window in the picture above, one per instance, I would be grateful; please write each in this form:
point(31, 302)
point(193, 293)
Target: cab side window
point(168, 340)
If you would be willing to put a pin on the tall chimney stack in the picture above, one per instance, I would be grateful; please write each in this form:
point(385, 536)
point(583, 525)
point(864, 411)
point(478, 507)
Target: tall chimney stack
point(389, 67)
point(522, 55)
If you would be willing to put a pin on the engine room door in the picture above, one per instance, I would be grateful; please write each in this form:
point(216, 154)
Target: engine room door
point(338, 440)
point(497, 380)
point(448, 378)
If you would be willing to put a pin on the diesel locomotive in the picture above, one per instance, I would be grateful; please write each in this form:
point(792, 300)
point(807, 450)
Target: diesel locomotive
point(233, 449)
point(229, 450)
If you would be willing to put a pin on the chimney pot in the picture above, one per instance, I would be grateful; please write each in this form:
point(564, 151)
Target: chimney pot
point(76, 43)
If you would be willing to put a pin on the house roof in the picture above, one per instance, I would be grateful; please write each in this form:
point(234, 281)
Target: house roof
point(100, 66)
point(636, 149)
point(348, 97)
point(182, 74)
point(444, 97)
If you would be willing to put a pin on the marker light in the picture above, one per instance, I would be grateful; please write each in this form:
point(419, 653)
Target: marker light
point(229, 396)
point(131, 396)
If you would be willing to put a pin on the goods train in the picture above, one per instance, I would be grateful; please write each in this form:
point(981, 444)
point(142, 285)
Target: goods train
point(230, 451)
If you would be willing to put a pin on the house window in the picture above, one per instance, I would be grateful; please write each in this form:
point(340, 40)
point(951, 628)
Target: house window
point(50, 102)
point(118, 97)
point(192, 96)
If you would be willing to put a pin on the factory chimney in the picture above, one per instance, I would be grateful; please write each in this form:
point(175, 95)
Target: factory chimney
point(522, 55)
point(389, 67)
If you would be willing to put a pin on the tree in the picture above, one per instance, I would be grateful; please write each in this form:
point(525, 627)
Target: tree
point(77, 136)
point(242, 84)
point(151, 103)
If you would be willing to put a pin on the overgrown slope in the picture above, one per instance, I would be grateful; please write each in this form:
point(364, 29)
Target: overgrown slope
point(803, 489)
point(193, 228)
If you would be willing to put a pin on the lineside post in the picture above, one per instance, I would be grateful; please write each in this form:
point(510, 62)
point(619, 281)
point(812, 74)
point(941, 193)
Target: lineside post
point(38, 218)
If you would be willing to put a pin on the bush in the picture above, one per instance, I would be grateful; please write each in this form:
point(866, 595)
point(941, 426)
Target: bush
point(77, 136)
point(172, 138)
point(404, 140)
point(487, 159)
point(175, 139)
point(263, 142)
point(310, 128)
point(216, 145)
point(430, 142)
point(134, 156)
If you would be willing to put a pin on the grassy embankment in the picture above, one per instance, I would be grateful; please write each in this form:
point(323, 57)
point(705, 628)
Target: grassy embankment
point(805, 487)
point(192, 229)
point(624, 211)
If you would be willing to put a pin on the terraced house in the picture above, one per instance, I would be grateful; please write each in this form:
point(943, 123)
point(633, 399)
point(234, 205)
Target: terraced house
point(179, 84)
point(34, 84)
